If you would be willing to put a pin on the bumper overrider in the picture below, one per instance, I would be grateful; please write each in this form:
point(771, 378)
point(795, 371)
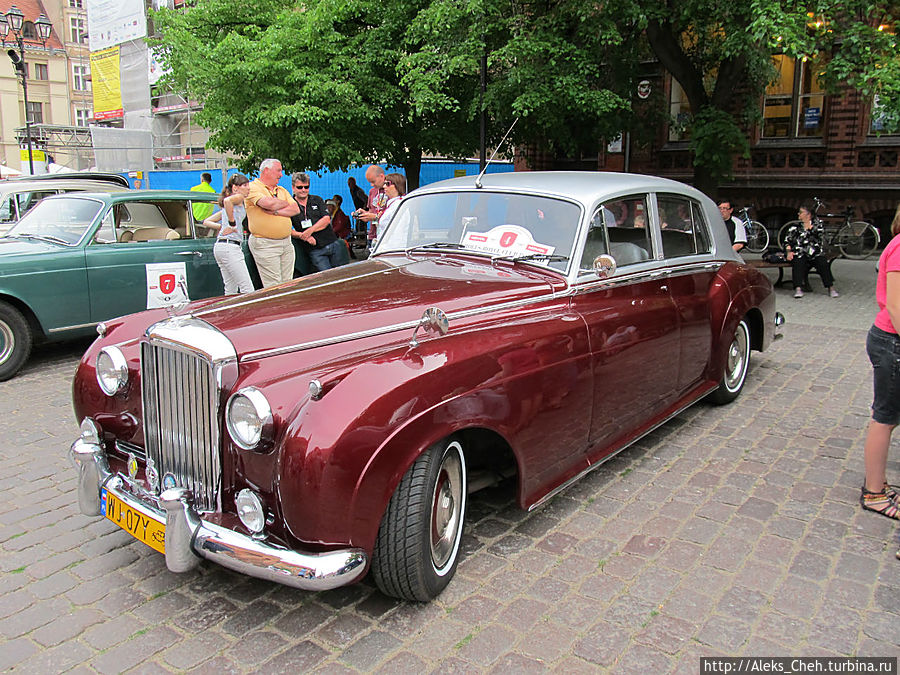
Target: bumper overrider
point(188, 537)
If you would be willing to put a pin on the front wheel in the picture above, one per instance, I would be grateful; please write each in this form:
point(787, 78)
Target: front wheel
point(858, 240)
point(417, 549)
point(15, 341)
point(757, 236)
point(736, 365)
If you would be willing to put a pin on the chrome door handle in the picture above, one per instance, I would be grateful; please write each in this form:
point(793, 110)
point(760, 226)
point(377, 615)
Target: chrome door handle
point(664, 287)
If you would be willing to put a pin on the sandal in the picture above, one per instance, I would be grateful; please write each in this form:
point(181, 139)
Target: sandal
point(891, 493)
point(879, 502)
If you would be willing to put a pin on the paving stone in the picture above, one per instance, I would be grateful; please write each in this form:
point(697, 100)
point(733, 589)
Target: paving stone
point(369, 650)
point(299, 658)
point(255, 648)
point(602, 644)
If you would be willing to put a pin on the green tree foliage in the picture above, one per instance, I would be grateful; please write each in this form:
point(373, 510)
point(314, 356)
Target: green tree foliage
point(315, 84)
point(328, 83)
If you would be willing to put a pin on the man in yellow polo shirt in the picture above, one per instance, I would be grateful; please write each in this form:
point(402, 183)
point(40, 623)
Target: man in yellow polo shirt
point(269, 210)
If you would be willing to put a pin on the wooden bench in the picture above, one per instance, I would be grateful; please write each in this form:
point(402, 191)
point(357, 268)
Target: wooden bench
point(831, 254)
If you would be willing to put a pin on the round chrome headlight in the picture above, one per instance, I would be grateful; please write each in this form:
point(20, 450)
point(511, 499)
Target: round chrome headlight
point(250, 510)
point(112, 370)
point(248, 417)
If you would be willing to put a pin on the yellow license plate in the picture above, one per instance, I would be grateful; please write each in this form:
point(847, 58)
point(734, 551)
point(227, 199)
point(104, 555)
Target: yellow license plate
point(141, 527)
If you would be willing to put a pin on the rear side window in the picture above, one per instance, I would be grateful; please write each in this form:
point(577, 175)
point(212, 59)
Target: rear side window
point(683, 228)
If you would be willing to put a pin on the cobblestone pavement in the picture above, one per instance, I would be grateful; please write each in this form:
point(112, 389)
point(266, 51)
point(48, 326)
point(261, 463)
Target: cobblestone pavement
point(730, 531)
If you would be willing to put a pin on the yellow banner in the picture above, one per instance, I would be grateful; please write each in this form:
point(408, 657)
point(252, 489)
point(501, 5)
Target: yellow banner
point(107, 84)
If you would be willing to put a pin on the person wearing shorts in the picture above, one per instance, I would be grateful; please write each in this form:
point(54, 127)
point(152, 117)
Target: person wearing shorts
point(883, 348)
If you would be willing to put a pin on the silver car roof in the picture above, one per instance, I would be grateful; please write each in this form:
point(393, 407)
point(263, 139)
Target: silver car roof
point(582, 186)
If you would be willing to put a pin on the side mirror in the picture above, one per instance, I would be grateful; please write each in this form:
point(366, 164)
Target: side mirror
point(433, 321)
point(604, 265)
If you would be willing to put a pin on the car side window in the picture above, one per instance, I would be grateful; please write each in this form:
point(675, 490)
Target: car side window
point(26, 200)
point(151, 221)
point(621, 226)
point(683, 229)
point(8, 211)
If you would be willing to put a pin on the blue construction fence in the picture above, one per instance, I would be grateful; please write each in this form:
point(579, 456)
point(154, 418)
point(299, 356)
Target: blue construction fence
point(323, 183)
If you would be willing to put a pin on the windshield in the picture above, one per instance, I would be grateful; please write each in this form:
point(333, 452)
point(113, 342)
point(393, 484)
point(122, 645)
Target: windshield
point(514, 226)
point(62, 221)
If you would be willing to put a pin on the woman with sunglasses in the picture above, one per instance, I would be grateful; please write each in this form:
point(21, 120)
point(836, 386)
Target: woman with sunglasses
point(395, 189)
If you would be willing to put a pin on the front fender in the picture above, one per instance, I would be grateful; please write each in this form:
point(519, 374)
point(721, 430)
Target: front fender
point(344, 455)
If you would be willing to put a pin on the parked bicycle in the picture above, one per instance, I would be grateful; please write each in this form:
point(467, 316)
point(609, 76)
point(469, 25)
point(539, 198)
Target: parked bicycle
point(856, 239)
point(757, 234)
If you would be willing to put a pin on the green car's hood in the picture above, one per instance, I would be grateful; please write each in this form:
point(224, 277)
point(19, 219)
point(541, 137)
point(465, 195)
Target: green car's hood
point(19, 246)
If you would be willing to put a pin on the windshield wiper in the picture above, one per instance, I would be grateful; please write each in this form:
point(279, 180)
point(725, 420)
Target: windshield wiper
point(435, 244)
point(40, 237)
point(549, 257)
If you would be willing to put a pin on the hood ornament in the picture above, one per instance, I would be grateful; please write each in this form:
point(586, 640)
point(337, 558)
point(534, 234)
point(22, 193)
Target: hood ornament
point(433, 321)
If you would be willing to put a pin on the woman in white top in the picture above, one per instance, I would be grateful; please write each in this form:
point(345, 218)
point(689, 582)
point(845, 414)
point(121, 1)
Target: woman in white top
point(228, 251)
point(395, 189)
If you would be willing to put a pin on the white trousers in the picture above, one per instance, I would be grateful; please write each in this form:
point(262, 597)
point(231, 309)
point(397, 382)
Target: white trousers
point(234, 268)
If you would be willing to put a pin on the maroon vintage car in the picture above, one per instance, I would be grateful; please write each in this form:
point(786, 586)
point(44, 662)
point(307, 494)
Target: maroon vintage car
point(526, 324)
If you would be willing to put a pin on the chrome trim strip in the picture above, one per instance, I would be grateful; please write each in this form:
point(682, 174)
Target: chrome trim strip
point(64, 328)
point(599, 462)
point(406, 325)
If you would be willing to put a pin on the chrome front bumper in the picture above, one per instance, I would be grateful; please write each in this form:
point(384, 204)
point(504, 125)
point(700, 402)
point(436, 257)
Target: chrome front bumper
point(188, 537)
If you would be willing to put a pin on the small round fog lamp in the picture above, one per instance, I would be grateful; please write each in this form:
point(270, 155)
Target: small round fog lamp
point(250, 510)
point(112, 370)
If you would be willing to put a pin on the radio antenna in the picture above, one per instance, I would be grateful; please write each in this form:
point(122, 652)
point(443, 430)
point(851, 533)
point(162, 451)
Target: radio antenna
point(494, 153)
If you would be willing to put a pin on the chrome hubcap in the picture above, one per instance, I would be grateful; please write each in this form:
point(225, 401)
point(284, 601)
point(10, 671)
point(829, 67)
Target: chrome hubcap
point(446, 509)
point(7, 342)
point(737, 359)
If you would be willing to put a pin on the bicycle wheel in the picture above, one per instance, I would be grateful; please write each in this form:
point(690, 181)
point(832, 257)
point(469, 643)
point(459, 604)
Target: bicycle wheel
point(757, 236)
point(782, 233)
point(858, 240)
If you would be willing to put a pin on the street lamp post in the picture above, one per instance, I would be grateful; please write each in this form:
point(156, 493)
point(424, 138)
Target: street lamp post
point(15, 19)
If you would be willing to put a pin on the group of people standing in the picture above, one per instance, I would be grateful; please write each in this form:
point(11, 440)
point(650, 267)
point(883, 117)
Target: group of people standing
point(288, 228)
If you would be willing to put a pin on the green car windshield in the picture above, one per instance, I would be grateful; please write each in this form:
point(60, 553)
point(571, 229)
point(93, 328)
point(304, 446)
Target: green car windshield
point(61, 221)
point(541, 230)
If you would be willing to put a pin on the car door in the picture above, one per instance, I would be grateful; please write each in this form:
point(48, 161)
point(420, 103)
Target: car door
point(632, 322)
point(686, 244)
point(145, 254)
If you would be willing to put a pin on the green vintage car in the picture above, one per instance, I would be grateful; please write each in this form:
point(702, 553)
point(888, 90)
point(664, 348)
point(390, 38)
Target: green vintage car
point(80, 258)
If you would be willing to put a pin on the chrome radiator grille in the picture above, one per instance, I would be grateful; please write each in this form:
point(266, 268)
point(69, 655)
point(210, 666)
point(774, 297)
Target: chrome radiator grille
point(181, 427)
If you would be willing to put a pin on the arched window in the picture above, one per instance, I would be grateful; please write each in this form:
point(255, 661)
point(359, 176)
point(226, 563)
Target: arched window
point(29, 32)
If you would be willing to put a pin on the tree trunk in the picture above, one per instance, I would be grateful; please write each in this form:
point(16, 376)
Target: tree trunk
point(705, 182)
point(412, 165)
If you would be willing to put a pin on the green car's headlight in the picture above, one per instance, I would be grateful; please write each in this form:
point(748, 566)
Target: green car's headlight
point(248, 417)
point(112, 370)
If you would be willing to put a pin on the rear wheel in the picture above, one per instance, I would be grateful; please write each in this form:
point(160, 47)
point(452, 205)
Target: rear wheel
point(417, 549)
point(757, 236)
point(736, 364)
point(782, 233)
point(858, 240)
point(15, 340)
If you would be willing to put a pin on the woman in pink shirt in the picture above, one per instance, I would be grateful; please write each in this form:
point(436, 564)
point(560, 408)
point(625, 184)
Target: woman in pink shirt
point(883, 348)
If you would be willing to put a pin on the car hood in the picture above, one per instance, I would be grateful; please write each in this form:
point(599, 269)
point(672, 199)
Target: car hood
point(374, 295)
point(26, 246)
